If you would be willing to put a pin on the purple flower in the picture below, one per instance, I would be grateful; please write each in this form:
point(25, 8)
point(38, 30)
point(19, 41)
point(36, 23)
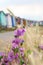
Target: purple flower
point(17, 40)
point(14, 45)
point(22, 53)
point(21, 41)
point(16, 56)
point(23, 30)
point(16, 50)
point(5, 64)
point(21, 49)
point(19, 32)
point(5, 61)
point(2, 54)
point(15, 33)
point(11, 56)
point(41, 47)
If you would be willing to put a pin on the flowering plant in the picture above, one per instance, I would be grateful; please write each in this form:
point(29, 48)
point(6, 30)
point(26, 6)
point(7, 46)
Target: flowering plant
point(17, 51)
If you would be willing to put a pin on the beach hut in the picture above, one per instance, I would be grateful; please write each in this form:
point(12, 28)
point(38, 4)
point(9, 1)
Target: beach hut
point(18, 20)
point(41, 23)
point(35, 23)
point(21, 22)
point(28, 22)
point(3, 22)
point(0, 19)
point(24, 22)
point(9, 21)
point(13, 21)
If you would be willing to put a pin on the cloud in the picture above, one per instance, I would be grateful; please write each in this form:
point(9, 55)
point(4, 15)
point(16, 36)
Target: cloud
point(32, 9)
point(27, 10)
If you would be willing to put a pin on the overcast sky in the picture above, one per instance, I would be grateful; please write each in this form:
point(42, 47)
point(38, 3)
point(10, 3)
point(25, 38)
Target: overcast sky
point(29, 9)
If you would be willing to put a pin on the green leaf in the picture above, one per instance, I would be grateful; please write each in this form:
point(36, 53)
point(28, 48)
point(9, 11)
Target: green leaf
point(1, 57)
point(16, 50)
point(21, 61)
point(29, 51)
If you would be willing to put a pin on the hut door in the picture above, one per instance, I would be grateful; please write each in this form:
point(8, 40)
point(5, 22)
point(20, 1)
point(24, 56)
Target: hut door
point(24, 22)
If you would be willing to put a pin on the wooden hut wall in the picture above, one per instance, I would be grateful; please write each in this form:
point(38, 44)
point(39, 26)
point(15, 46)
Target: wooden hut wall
point(24, 22)
point(19, 21)
point(9, 21)
point(13, 21)
point(3, 19)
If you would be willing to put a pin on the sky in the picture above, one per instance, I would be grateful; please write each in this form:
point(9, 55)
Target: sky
point(28, 9)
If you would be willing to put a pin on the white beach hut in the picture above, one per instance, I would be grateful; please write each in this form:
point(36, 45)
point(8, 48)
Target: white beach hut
point(21, 22)
point(9, 21)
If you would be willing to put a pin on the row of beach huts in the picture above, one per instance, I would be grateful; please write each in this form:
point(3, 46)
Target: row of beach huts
point(7, 20)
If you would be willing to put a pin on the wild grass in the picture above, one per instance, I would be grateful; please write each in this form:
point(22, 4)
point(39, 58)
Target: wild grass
point(32, 38)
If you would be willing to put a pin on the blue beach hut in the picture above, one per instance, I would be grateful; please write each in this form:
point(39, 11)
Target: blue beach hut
point(13, 21)
point(3, 22)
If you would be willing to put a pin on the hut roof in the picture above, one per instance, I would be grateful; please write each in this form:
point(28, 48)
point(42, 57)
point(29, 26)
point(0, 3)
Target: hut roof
point(2, 12)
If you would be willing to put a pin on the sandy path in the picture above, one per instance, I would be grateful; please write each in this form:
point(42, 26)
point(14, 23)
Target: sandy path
point(5, 40)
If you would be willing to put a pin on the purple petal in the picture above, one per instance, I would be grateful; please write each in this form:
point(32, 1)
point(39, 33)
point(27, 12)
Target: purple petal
point(16, 56)
point(17, 41)
point(2, 54)
point(19, 32)
point(7, 64)
point(14, 45)
point(41, 47)
point(22, 53)
point(21, 49)
point(15, 33)
point(23, 30)
point(5, 60)
point(11, 56)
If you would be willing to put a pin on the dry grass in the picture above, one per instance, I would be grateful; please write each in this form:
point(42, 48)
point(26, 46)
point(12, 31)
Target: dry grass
point(33, 36)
